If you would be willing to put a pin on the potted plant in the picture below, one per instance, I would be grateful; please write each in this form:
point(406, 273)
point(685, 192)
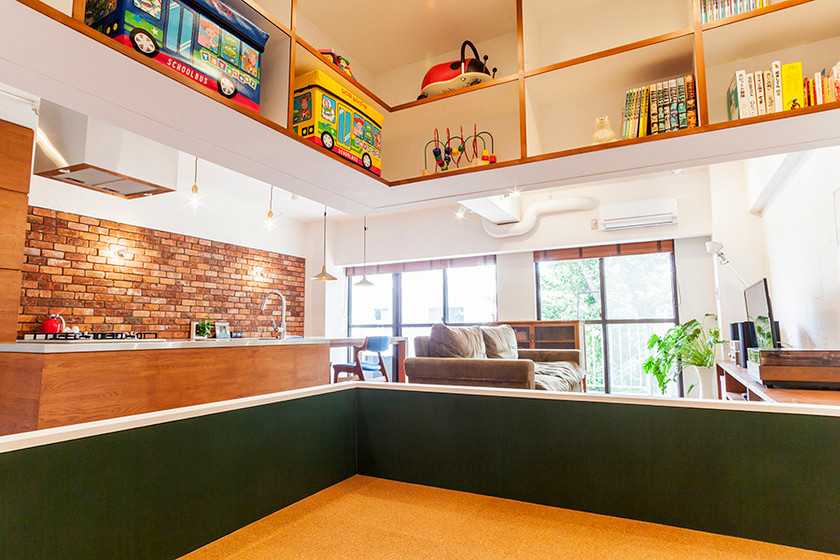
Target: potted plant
point(202, 329)
point(690, 344)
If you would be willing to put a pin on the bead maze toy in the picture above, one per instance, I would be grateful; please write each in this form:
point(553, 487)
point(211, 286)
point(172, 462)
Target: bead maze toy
point(446, 153)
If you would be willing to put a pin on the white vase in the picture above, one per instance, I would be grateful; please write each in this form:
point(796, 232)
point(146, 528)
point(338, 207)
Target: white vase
point(701, 378)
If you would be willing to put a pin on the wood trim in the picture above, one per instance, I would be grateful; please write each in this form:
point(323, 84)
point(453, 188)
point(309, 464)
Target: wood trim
point(415, 266)
point(701, 101)
point(78, 12)
point(15, 156)
point(312, 50)
point(785, 4)
point(520, 55)
point(290, 109)
point(462, 91)
point(614, 250)
point(613, 51)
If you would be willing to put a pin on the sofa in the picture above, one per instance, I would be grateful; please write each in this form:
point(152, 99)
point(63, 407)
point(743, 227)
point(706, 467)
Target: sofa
point(489, 357)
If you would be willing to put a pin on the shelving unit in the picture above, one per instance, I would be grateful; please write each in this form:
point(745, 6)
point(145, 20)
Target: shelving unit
point(560, 65)
point(563, 335)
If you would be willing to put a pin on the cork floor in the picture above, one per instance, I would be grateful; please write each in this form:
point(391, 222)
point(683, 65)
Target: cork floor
point(370, 518)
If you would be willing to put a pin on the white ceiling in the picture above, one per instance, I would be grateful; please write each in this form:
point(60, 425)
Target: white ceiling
point(383, 38)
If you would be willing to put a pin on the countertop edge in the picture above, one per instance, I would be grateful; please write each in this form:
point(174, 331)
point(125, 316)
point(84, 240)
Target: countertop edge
point(26, 347)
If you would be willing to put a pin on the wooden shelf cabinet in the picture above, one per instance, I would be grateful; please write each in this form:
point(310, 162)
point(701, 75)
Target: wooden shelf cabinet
point(736, 384)
point(560, 64)
point(562, 335)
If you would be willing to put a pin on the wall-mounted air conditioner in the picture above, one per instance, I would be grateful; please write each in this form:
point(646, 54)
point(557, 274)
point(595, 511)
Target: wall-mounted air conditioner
point(639, 213)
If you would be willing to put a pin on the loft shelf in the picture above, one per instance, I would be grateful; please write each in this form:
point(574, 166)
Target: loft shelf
point(130, 96)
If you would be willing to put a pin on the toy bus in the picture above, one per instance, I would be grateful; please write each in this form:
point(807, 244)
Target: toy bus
point(333, 117)
point(204, 40)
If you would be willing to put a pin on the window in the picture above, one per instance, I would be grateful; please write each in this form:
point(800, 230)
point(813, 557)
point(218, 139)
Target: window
point(410, 299)
point(623, 297)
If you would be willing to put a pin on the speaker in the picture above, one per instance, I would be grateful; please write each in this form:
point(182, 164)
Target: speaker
point(746, 339)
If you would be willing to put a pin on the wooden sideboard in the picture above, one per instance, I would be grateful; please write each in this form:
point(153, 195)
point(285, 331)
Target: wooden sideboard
point(547, 334)
point(737, 384)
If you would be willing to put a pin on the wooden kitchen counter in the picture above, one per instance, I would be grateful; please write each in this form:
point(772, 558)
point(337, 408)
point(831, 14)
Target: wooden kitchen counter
point(48, 385)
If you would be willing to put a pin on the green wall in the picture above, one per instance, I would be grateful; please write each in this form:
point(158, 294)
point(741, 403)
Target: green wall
point(163, 490)
point(766, 476)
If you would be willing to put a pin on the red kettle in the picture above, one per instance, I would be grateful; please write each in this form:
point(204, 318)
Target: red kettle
point(55, 324)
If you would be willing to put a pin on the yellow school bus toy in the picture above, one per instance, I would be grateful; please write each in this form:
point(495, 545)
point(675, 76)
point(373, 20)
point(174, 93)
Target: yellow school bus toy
point(332, 116)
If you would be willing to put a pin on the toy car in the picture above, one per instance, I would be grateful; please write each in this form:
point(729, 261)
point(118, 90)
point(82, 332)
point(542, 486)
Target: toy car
point(458, 74)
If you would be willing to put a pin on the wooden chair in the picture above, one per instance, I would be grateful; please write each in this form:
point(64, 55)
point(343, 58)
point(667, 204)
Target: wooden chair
point(361, 369)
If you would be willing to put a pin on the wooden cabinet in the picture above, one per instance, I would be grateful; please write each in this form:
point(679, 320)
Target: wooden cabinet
point(736, 384)
point(560, 65)
point(547, 334)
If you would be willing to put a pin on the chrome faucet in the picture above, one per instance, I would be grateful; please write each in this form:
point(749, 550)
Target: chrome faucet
point(281, 330)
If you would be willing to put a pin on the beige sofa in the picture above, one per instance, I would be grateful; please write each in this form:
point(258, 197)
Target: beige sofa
point(488, 357)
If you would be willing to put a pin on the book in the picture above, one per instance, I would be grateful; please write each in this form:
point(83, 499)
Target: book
point(769, 97)
point(776, 69)
point(751, 102)
point(682, 118)
point(812, 93)
point(644, 112)
point(743, 109)
point(665, 103)
point(792, 92)
point(732, 99)
point(660, 107)
point(654, 110)
point(626, 115)
point(691, 101)
point(637, 100)
point(759, 93)
point(818, 88)
point(675, 111)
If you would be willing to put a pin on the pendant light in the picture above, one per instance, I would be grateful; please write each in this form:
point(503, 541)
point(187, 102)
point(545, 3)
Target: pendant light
point(364, 282)
point(324, 275)
point(194, 188)
point(271, 202)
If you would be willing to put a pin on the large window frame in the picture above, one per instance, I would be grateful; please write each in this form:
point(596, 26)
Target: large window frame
point(601, 253)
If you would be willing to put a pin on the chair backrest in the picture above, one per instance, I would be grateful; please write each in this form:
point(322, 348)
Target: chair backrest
point(377, 343)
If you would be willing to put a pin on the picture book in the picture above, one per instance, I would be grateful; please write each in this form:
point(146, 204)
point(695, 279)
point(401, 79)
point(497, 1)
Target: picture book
point(654, 111)
point(776, 69)
point(675, 111)
point(792, 86)
point(660, 107)
point(759, 93)
point(769, 97)
point(691, 101)
point(683, 116)
point(751, 102)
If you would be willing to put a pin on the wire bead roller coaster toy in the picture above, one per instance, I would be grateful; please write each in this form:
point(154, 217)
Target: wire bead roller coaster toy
point(457, 148)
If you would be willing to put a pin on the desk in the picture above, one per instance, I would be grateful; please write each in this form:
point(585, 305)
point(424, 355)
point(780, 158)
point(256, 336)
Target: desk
point(735, 381)
point(399, 353)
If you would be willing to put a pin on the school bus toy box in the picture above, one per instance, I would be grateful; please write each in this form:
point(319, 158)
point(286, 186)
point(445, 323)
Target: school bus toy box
point(204, 40)
point(331, 116)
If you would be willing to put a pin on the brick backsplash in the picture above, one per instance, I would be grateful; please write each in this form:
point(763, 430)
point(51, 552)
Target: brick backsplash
point(166, 281)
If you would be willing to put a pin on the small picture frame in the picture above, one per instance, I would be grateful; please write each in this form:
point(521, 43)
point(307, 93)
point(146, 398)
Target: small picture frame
point(222, 329)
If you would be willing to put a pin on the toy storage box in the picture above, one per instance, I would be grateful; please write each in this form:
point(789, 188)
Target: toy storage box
point(204, 40)
point(331, 116)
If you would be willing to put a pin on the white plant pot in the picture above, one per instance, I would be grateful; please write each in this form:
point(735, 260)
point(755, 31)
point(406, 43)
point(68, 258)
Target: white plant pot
point(703, 380)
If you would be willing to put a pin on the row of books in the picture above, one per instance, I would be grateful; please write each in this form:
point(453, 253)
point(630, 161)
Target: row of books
point(712, 10)
point(660, 107)
point(781, 88)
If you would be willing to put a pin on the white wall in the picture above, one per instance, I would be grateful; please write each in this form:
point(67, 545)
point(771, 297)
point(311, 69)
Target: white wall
point(223, 213)
point(800, 226)
point(516, 280)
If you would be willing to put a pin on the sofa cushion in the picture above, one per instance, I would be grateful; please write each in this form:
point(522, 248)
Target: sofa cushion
point(558, 376)
point(456, 342)
point(500, 342)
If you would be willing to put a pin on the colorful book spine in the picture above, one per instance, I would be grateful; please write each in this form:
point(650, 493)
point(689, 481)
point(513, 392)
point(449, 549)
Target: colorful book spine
point(818, 88)
point(681, 104)
point(654, 109)
point(644, 112)
point(675, 111)
point(778, 101)
point(637, 101)
point(660, 107)
point(626, 115)
point(751, 100)
point(691, 101)
point(743, 109)
point(792, 91)
point(732, 99)
point(759, 93)
point(769, 98)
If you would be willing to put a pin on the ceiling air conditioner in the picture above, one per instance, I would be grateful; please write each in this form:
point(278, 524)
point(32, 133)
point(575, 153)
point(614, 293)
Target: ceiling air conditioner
point(639, 213)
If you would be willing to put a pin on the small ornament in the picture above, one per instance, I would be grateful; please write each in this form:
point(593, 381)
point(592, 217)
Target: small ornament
point(603, 132)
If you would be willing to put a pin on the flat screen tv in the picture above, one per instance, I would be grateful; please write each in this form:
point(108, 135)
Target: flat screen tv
point(760, 312)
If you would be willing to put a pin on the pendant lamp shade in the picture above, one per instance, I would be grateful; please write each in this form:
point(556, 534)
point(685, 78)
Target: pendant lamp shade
point(324, 275)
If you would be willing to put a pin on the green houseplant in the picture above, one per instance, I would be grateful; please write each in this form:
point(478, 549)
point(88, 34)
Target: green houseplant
point(203, 328)
point(689, 344)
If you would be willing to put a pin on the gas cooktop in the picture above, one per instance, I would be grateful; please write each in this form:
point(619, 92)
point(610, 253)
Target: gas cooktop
point(89, 336)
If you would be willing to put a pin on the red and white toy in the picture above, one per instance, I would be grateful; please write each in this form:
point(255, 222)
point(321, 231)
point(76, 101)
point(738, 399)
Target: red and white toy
point(457, 74)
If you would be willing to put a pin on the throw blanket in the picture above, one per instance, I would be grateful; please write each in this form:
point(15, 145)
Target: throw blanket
point(558, 376)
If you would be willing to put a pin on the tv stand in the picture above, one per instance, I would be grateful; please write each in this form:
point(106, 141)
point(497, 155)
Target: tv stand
point(736, 384)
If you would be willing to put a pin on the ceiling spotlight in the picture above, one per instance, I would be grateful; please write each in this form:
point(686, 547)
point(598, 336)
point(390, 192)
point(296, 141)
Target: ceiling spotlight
point(676, 171)
point(461, 213)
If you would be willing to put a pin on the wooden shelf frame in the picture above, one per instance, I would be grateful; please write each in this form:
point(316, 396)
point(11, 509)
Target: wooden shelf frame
point(696, 29)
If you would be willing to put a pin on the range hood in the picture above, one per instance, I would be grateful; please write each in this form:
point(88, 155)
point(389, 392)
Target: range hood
point(101, 157)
